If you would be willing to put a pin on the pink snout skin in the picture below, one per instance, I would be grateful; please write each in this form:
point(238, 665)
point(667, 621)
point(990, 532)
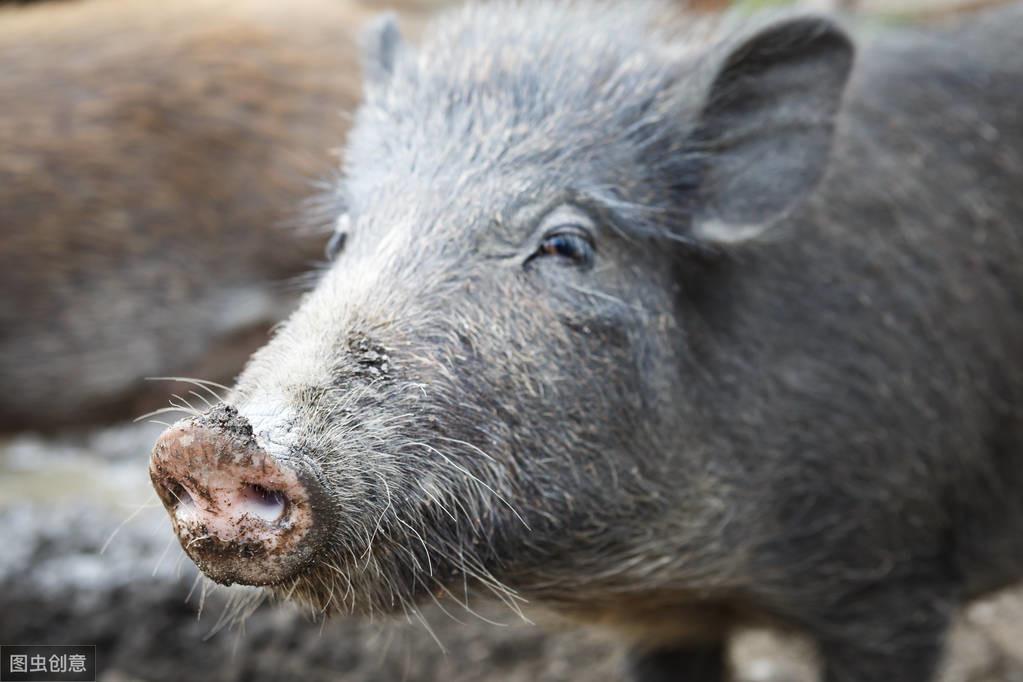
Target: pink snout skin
point(239, 514)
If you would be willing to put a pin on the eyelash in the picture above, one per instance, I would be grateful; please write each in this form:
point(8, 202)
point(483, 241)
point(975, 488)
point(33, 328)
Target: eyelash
point(569, 243)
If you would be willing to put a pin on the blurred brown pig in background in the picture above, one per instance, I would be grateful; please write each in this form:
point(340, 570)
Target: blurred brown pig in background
point(156, 161)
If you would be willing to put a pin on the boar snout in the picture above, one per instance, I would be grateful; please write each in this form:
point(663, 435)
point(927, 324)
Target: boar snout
point(240, 514)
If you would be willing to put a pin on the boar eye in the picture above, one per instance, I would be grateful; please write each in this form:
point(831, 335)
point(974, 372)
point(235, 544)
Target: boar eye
point(570, 243)
point(336, 243)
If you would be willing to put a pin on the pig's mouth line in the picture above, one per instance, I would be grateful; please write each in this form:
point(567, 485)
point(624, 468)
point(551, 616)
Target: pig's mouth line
point(209, 554)
point(300, 575)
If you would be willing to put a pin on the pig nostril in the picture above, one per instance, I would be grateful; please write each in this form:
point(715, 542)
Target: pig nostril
point(267, 504)
point(181, 494)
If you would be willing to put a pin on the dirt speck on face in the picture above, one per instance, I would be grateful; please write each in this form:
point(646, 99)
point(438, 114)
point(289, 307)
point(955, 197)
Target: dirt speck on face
point(224, 418)
point(370, 357)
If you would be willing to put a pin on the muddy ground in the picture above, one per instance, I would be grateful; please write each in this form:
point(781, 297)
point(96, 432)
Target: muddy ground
point(87, 557)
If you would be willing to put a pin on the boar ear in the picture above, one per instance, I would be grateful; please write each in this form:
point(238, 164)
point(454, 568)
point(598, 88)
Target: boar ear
point(381, 41)
point(765, 129)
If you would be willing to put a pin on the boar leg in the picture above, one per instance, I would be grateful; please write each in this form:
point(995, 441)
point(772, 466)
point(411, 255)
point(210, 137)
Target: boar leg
point(894, 633)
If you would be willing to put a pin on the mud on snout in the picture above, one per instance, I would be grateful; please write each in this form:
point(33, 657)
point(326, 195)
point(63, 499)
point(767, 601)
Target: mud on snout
point(241, 515)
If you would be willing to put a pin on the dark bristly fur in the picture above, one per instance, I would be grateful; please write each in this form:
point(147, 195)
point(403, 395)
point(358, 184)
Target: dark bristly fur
point(787, 386)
